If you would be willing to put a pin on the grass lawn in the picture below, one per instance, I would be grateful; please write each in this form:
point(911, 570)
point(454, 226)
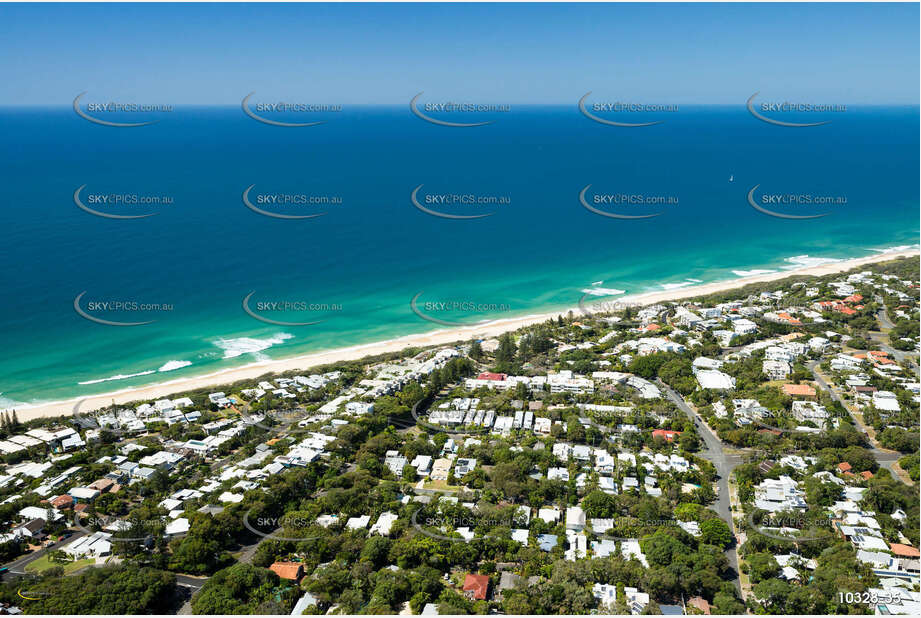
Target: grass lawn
point(440, 486)
point(42, 564)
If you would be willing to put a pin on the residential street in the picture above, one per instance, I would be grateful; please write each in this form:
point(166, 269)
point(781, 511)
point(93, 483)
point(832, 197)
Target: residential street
point(724, 464)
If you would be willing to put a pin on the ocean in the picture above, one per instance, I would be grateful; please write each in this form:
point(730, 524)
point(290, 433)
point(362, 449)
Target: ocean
point(353, 271)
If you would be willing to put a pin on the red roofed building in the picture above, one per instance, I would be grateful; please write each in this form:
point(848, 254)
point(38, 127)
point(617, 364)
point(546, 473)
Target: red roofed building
point(652, 327)
point(853, 298)
point(666, 434)
point(844, 467)
point(789, 319)
point(700, 603)
point(63, 501)
point(498, 377)
point(867, 475)
point(293, 571)
point(476, 586)
point(798, 390)
point(904, 551)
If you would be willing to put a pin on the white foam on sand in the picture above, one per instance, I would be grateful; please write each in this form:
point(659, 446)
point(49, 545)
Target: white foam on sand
point(753, 272)
point(250, 345)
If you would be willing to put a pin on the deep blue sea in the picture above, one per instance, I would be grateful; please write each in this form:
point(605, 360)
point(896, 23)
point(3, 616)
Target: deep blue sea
point(364, 260)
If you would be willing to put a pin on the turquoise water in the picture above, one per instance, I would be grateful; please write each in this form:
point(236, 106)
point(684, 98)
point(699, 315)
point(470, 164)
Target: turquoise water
point(368, 256)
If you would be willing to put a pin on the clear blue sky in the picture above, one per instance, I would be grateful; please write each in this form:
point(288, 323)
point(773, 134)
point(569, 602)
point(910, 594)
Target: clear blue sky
point(504, 53)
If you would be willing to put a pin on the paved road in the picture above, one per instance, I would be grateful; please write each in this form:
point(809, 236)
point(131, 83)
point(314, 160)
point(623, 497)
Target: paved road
point(881, 339)
point(18, 566)
point(724, 464)
point(884, 457)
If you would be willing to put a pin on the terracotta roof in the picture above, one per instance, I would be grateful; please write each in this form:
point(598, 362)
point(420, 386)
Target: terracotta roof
point(844, 466)
point(63, 501)
point(866, 474)
point(803, 390)
point(486, 375)
point(700, 603)
point(478, 585)
point(288, 570)
point(906, 551)
point(666, 434)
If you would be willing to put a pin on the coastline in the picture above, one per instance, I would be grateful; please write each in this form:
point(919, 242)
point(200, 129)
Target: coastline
point(436, 337)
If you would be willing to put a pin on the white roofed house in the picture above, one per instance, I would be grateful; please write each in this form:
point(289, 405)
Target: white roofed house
point(775, 369)
point(810, 411)
point(95, 545)
point(464, 465)
point(550, 514)
point(575, 518)
point(395, 462)
point(558, 474)
point(702, 362)
point(780, 494)
point(422, 464)
point(358, 523)
point(83, 494)
point(542, 425)
point(714, 380)
point(384, 523)
point(744, 326)
point(886, 401)
point(604, 462)
point(358, 408)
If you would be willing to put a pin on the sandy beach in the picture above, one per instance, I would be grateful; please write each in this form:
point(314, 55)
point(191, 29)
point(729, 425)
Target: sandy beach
point(436, 337)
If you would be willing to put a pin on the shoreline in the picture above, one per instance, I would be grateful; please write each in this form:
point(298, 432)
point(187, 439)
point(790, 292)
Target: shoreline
point(442, 336)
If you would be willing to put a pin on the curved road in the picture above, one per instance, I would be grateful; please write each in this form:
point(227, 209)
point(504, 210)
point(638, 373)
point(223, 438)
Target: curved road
point(884, 457)
point(724, 464)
